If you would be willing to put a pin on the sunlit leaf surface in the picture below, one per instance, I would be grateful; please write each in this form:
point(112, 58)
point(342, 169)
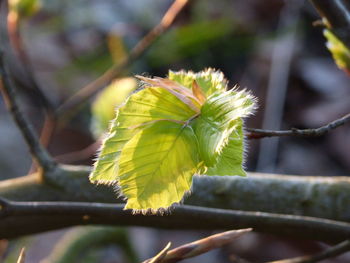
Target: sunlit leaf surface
point(170, 130)
point(147, 105)
point(230, 161)
point(156, 166)
point(217, 121)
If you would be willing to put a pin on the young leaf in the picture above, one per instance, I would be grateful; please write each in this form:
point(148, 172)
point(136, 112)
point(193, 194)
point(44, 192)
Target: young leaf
point(209, 80)
point(169, 131)
point(217, 121)
point(176, 89)
point(143, 107)
point(230, 160)
point(340, 53)
point(156, 166)
point(198, 92)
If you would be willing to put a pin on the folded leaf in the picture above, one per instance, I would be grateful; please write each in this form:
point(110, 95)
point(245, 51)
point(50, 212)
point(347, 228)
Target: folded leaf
point(217, 122)
point(230, 161)
point(156, 166)
point(143, 107)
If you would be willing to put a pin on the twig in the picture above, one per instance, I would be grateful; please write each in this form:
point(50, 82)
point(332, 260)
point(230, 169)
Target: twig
point(21, 218)
point(197, 247)
point(334, 251)
point(260, 133)
point(141, 47)
point(337, 14)
point(16, 42)
point(37, 150)
point(28, 79)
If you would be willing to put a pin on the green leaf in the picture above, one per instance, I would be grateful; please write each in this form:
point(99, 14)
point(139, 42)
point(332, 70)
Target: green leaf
point(170, 130)
point(146, 106)
point(340, 53)
point(181, 92)
point(231, 159)
point(157, 178)
point(210, 80)
point(217, 121)
point(103, 108)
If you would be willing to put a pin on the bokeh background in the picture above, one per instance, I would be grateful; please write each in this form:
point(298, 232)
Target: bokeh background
point(272, 48)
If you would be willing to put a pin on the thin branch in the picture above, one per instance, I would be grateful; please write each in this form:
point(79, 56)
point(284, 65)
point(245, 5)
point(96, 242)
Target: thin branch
point(260, 133)
point(80, 155)
point(337, 14)
point(88, 91)
point(334, 251)
point(16, 42)
point(37, 150)
point(198, 247)
point(21, 218)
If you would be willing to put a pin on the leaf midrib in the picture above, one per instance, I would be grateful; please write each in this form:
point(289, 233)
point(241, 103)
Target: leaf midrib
point(160, 163)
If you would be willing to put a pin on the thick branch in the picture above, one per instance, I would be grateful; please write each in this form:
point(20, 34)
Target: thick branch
point(322, 197)
point(18, 218)
point(259, 133)
point(37, 150)
point(88, 91)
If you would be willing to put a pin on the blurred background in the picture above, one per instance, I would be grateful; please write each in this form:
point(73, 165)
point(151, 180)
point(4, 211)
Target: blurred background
point(269, 47)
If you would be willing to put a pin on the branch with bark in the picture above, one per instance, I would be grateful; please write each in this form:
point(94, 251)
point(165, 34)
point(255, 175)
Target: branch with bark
point(9, 92)
point(317, 197)
point(323, 197)
point(260, 133)
point(19, 218)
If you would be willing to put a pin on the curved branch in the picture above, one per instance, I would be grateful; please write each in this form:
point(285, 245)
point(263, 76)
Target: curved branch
point(18, 218)
point(259, 133)
point(140, 48)
point(28, 79)
point(37, 150)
